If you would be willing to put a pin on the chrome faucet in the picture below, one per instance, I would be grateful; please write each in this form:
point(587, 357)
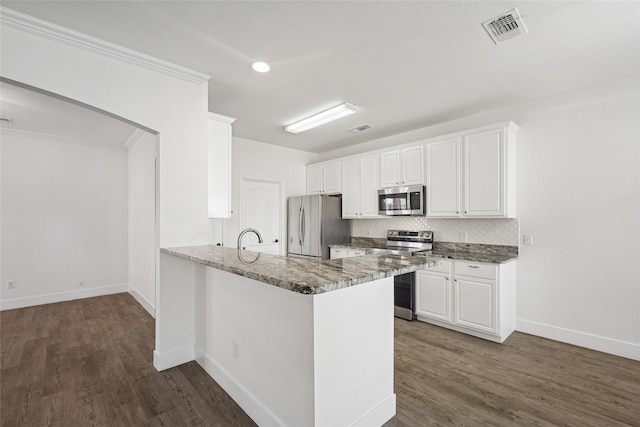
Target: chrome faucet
point(245, 231)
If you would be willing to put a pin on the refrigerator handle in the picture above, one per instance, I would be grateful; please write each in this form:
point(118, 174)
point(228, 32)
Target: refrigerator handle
point(300, 226)
point(303, 225)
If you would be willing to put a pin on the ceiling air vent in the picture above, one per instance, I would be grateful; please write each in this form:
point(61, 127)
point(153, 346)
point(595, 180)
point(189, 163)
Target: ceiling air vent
point(359, 128)
point(505, 27)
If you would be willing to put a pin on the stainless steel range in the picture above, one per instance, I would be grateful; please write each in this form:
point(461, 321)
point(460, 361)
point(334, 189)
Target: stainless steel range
point(405, 242)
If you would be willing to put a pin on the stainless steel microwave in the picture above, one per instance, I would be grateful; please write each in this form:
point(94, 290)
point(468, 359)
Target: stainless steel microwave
point(405, 200)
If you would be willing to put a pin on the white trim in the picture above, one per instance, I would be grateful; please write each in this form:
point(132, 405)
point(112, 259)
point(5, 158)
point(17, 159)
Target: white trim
point(469, 331)
point(248, 402)
point(582, 339)
point(135, 137)
point(94, 143)
point(220, 118)
point(10, 304)
point(151, 309)
point(172, 358)
point(58, 33)
point(380, 414)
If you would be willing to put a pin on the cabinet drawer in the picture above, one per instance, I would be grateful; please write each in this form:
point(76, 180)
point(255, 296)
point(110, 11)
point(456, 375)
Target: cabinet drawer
point(336, 253)
point(475, 269)
point(443, 267)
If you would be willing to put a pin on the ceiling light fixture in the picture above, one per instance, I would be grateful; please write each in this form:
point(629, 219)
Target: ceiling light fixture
point(322, 118)
point(260, 67)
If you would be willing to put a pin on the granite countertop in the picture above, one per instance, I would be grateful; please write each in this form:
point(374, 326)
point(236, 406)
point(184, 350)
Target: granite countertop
point(496, 254)
point(302, 275)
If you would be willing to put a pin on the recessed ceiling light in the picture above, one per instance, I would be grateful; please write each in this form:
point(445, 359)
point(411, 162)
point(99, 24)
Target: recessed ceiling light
point(260, 67)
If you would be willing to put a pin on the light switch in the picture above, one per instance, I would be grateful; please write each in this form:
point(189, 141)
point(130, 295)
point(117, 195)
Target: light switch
point(527, 239)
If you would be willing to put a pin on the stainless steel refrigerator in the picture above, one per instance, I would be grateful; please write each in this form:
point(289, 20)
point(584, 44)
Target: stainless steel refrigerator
point(313, 223)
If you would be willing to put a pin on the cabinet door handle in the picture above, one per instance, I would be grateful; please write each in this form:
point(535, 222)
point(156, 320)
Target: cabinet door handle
point(473, 266)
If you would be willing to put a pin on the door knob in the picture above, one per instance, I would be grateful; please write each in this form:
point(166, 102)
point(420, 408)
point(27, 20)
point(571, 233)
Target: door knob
point(275, 241)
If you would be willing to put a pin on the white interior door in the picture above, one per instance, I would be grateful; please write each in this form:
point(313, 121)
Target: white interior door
point(261, 208)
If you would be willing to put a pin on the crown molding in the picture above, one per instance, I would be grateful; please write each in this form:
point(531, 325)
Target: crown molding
point(21, 21)
point(220, 118)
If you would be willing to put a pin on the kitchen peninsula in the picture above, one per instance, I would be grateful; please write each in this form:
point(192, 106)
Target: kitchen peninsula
point(294, 342)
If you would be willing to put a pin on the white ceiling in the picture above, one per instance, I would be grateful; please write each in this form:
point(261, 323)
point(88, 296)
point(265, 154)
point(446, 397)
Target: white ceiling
point(405, 64)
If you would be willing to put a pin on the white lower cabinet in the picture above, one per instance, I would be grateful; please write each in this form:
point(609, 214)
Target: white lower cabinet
point(471, 297)
point(475, 303)
point(433, 292)
point(336, 253)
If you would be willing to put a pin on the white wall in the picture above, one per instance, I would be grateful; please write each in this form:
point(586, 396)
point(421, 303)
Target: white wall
point(253, 159)
point(155, 95)
point(175, 107)
point(578, 195)
point(142, 155)
point(64, 219)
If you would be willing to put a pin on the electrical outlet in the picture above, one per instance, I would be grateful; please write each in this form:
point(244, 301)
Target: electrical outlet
point(463, 236)
point(81, 283)
point(527, 239)
point(11, 284)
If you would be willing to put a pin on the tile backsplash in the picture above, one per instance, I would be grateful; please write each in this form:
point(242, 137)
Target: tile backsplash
point(490, 231)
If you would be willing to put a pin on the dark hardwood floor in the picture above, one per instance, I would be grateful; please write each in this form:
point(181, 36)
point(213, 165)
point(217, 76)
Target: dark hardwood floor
point(89, 363)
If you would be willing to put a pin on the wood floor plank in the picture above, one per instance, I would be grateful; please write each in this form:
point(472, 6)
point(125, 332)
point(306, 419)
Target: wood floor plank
point(89, 363)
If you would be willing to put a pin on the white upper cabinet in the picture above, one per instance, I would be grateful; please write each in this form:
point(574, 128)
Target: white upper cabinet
point(469, 174)
point(314, 179)
point(324, 178)
point(369, 185)
point(473, 175)
point(486, 180)
point(443, 178)
point(350, 188)
point(219, 177)
point(402, 167)
point(360, 187)
point(390, 168)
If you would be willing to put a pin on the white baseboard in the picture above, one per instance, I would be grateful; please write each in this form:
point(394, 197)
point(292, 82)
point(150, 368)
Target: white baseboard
point(594, 342)
point(151, 309)
point(252, 406)
point(380, 414)
point(10, 304)
point(171, 358)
